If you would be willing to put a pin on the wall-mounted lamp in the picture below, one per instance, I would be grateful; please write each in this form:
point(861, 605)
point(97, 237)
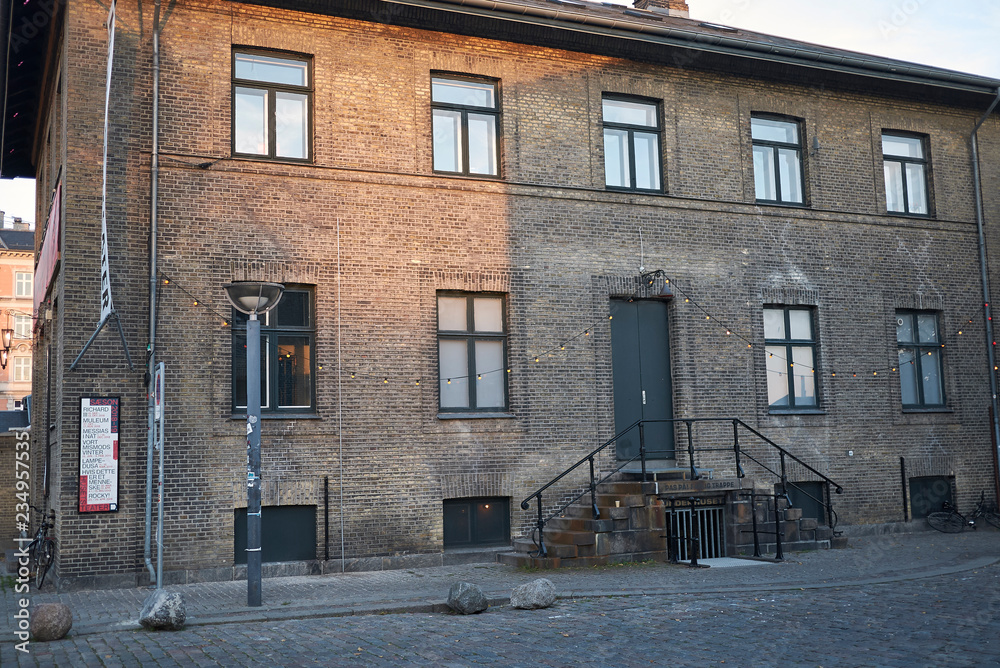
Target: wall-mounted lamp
point(815, 148)
point(656, 284)
point(6, 335)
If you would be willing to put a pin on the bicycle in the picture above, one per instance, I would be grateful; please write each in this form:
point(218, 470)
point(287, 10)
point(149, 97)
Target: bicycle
point(987, 509)
point(42, 548)
point(949, 520)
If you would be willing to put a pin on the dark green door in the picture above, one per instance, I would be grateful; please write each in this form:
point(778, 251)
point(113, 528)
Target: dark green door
point(640, 359)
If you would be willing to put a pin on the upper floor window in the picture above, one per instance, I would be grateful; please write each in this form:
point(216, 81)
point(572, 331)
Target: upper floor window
point(777, 160)
point(22, 369)
point(466, 116)
point(905, 164)
point(287, 355)
point(631, 144)
point(921, 378)
point(271, 106)
point(472, 352)
point(22, 326)
point(790, 344)
point(22, 283)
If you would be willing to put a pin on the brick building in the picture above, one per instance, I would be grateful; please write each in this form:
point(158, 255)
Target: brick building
point(17, 264)
point(475, 209)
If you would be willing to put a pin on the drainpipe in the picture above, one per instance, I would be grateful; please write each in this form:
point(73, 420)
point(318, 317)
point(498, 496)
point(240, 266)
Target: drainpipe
point(983, 272)
point(154, 173)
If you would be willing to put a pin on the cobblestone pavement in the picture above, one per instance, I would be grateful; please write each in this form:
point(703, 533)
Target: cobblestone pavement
point(938, 621)
point(913, 600)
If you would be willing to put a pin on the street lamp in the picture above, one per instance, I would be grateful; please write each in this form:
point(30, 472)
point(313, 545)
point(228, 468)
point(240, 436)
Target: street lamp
point(253, 297)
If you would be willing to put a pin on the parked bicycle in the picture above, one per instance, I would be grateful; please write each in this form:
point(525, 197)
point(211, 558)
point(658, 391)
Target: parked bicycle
point(949, 520)
point(42, 548)
point(987, 509)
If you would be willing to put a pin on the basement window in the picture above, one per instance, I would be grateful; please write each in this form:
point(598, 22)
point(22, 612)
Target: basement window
point(476, 522)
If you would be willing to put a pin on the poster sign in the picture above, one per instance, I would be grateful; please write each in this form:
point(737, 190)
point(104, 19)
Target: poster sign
point(98, 454)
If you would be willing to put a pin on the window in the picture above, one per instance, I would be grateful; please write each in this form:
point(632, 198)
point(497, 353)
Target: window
point(22, 368)
point(466, 114)
point(631, 144)
point(472, 345)
point(287, 339)
point(921, 381)
point(905, 167)
point(22, 326)
point(791, 358)
point(482, 522)
point(777, 160)
point(22, 283)
point(271, 106)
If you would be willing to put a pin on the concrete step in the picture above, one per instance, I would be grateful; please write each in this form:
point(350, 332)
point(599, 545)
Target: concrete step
point(626, 500)
point(580, 524)
point(554, 550)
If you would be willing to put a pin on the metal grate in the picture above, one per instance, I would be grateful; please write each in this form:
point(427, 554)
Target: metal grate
point(711, 532)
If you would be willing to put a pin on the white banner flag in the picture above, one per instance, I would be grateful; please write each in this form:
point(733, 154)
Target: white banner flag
point(106, 305)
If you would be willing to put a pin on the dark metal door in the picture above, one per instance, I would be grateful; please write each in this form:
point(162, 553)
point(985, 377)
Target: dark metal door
point(640, 359)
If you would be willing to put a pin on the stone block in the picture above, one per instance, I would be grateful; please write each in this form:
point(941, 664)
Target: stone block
point(793, 514)
point(50, 621)
point(540, 593)
point(808, 524)
point(163, 610)
point(466, 598)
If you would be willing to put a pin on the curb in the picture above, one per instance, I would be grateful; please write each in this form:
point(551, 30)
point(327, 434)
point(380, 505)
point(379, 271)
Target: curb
point(441, 606)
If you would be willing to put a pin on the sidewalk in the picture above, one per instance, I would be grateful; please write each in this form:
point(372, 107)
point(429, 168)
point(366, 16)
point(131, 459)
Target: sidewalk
point(868, 560)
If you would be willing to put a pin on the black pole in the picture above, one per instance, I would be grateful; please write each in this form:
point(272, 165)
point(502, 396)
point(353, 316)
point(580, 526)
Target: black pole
point(642, 448)
point(902, 478)
point(668, 517)
point(736, 449)
point(695, 547)
point(593, 491)
point(542, 552)
point(253, 462)
point(753, 519)
point(779, 555)
point(694, 472)
point(326, 518)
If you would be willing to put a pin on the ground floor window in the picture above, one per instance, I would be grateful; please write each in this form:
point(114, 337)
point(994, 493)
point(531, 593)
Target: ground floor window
point(287, 533)
point(476, 522)
point(928, 495)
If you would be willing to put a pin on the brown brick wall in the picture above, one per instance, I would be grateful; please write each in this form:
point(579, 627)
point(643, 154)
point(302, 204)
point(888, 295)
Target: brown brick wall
point(378, 235)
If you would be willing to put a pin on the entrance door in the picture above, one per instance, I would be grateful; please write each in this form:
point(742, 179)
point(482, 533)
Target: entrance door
point(640, 359)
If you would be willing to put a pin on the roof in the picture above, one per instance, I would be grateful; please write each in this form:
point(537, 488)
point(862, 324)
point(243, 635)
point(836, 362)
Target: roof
point(648, 35)
point(19, 240)
point(24, 43)
point(13, 420)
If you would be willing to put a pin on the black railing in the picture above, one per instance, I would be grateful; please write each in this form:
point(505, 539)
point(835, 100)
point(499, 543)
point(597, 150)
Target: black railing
point(740, 454)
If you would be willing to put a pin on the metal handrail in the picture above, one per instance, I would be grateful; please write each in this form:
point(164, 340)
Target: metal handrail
point(737, 451)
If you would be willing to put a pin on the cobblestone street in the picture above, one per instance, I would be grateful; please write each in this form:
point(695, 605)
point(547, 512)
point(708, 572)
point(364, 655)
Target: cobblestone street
point(949, 620)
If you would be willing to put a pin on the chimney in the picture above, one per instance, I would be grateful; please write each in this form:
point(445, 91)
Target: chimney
point(673, 7)
point(19, 224)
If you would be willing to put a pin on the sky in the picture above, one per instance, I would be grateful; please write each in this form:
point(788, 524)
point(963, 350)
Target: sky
point(962, 35)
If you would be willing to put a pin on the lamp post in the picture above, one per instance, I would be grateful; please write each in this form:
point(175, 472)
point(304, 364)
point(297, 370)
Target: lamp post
point(252, 298)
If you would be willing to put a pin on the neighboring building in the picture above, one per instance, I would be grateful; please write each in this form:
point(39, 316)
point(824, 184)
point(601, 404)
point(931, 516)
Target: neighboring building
point(458, 195)
point(17, 266)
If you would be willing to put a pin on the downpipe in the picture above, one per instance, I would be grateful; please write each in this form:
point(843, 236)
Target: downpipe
point(984, 275)
point(154, 173)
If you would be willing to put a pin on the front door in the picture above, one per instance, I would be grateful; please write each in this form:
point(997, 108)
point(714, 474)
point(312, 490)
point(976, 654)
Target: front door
point(640, 359)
